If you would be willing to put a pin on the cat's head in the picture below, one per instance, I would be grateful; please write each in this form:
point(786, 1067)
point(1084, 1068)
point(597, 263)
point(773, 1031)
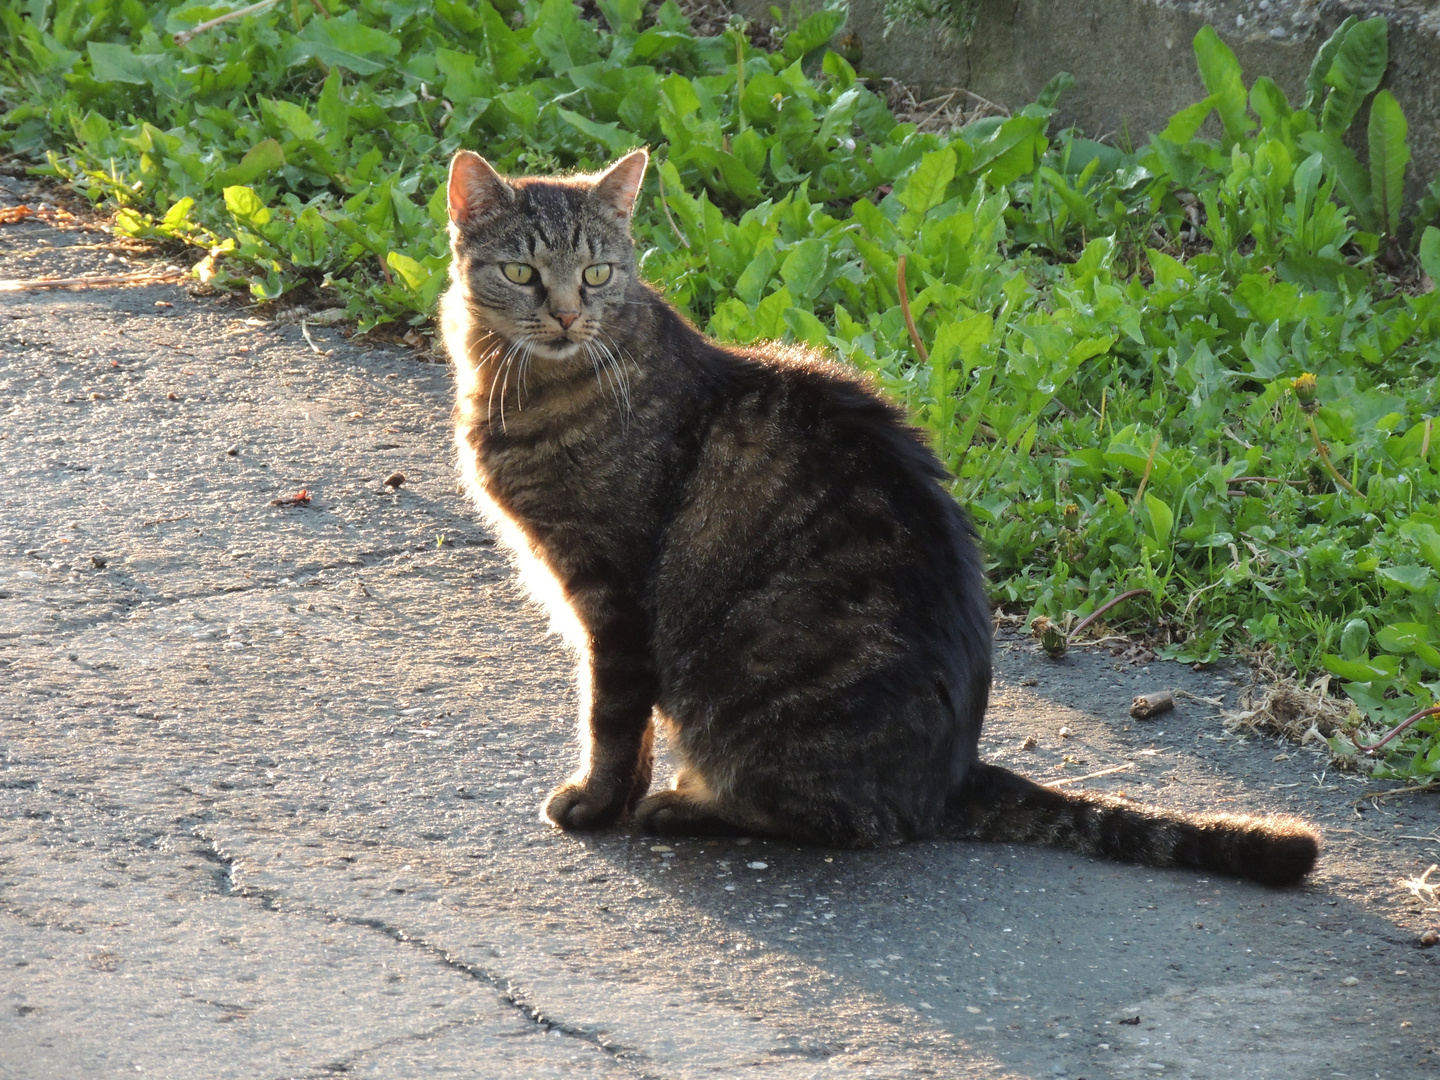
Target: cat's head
point(545, 261)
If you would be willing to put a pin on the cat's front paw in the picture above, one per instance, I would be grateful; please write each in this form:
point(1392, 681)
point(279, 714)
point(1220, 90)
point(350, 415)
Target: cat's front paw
point(585, 806)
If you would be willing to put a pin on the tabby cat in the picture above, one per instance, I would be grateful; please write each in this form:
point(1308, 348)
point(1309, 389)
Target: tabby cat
point(751, 548)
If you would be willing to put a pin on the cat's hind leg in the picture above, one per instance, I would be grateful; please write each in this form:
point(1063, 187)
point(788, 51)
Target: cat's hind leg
point(690, 808)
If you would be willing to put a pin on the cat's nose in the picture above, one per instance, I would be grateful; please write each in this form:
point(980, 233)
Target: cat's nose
point(565, 318)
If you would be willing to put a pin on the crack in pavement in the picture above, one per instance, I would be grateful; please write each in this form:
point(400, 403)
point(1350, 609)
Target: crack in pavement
point(504, 988)
point(149, 598)
point(345, 1064)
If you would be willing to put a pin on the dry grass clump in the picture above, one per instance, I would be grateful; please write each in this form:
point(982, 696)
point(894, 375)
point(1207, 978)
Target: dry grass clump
point(1423, 889)
point(1277, 704)
point(948, 109)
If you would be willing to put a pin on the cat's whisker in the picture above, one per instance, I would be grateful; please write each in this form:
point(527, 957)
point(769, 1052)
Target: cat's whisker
point(525, 371)
point(623, 363)
point(602, 374)
point(512, 355)
point(622, 377)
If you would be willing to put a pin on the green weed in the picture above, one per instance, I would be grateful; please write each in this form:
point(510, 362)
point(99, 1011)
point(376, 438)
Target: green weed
point(1112, 337)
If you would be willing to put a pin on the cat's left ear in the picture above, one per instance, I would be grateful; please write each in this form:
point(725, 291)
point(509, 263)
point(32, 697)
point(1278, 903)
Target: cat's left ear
point(617, 188)
point(475, 189)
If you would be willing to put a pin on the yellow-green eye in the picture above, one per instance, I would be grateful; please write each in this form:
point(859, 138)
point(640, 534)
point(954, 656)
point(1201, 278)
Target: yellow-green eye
point(597, 274)
point(519, 273)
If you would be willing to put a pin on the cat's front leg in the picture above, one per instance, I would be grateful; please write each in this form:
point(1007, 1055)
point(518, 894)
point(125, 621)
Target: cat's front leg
point(615, 730)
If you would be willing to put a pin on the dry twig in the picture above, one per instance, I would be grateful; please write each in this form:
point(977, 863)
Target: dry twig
point(1090, 776)
point(905, 310)
point(184, 37)
point(143, 278)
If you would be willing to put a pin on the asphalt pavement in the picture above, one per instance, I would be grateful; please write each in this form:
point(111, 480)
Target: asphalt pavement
point(270, 774)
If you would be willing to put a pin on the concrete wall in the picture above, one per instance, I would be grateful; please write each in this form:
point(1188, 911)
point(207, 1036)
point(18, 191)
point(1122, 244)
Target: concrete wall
point(1132, 59)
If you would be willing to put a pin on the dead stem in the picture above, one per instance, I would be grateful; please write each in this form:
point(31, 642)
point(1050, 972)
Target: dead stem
point(1325, 458)
point(142, 278)
point(1104, 608)
point(183, 38)
point(905, 310)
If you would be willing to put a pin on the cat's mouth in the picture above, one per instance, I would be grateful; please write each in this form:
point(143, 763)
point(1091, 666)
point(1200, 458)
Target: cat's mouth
point(558, 347)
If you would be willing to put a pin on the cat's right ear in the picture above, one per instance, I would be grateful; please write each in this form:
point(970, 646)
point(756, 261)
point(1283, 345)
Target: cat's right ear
point(475, 189)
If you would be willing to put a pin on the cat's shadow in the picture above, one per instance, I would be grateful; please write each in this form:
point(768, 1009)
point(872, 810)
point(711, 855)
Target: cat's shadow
point(1036, 956)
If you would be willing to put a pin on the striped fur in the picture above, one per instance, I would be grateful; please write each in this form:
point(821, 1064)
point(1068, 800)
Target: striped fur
point(750, 549)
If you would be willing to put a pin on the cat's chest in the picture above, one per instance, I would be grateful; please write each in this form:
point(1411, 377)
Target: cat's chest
point(566, 477)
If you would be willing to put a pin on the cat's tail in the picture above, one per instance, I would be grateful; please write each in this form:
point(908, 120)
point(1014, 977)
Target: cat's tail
point(999, 805)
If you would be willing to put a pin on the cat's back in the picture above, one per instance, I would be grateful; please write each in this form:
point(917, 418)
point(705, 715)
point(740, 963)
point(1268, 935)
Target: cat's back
point(813, 505)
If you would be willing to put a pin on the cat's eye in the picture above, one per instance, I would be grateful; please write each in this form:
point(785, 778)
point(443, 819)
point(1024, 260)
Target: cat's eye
point(597, 274)
point(519, 273)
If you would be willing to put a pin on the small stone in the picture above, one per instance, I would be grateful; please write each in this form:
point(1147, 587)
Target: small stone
point(1350, 980)
point(172, 396)
point(234, 451)
point(661, 848)
point(1029, 743)
point(98, 561)
point(1277, 32)
point(1065, 733)
point(1429, 938)
point(758, 865)
point(394, 480)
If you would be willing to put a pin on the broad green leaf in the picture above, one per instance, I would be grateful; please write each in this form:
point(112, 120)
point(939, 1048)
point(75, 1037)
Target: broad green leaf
point(1320, 67)
point(290, 118)
point(343, 40)
point(1426, 540)
point(111, 62)
point(751, 283)
point(838, 69)
point(609, 136)
point(178, 215)
point(411, 272)
point(1051, 92)
point(804, 268)
point(1268, 102)
point(465, 80)
point(522, 108)
point(1382, 668)
point(1355, 640)
point(622, 14)
point(1009, 152)
point(1161, 519)
point(925, 188)
point(1430, 255)
point(563, 38)
point(246, 205)
point(963, 342)
point(1185, 123)
point(1352, 180)
point(1359, 65)
point(1170, 273)
point(806, 327)
point(812, 32)
point(331, 111)
point(1389, 154)
point(260, 160)
point(1411, 637)
point(769, 321)
point(1220, 72)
